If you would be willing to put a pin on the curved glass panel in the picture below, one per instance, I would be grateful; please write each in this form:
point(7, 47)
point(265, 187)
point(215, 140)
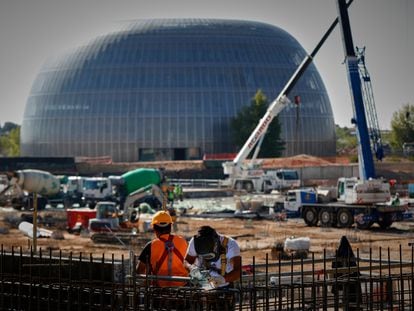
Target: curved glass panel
point(168, 88)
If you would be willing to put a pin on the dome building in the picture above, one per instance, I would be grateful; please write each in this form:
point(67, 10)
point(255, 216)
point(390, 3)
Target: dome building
point(166, 89)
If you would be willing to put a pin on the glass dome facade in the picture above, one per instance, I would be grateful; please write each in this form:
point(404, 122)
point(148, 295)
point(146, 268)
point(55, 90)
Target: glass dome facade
point(167, 89)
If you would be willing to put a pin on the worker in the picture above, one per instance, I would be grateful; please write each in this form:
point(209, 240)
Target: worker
point(164, 255)
point(170, 194)
point(178, 192)
point(173, 214)
point(215, 252)
point(396, 200)
point(220, 255)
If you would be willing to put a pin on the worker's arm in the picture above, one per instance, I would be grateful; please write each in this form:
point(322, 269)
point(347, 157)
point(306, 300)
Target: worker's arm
point(234, 274)
point(141, 268)
point(143, 258)
point(190, 259)
point(191, 254)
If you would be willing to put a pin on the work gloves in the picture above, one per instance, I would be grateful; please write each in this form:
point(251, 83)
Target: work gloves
point(216, 280)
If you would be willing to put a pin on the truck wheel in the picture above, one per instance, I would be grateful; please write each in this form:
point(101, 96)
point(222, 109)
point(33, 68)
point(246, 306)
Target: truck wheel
point(344, 218)
point(67, 203)
point(249, 186)
point(326, 218)
point(310, 216)
point(385, 221)
point(238, 186)
point(364, 225)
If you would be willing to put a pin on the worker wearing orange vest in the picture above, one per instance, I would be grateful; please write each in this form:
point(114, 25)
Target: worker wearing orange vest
point(164, 256)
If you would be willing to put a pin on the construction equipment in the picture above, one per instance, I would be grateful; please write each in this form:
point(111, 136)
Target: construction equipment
point(283, 179)
point(363, 200)
point(71, 193)
point(96, 189)
point(251, 176)
point(338, 210)
point(365, 159)
point(145, 185)
point(109, 222)
point(18, 192)
point(374, 131)
point(105, 222)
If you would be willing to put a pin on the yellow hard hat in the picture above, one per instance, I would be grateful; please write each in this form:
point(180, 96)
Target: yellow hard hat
point(161, 219)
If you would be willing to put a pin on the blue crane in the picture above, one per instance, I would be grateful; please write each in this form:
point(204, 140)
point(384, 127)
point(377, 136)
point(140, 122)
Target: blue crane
point(365, 158)
point(369, 103)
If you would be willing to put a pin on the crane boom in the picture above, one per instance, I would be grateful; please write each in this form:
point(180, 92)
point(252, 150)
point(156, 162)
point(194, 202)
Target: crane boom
point(281, 100)
point(237, 174)
point(366, 163)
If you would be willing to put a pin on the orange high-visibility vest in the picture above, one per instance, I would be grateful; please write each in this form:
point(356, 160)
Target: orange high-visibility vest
point(167, 258)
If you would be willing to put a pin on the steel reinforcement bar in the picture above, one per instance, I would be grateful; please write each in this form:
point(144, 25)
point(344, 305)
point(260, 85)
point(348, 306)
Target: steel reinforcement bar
point(51, 281)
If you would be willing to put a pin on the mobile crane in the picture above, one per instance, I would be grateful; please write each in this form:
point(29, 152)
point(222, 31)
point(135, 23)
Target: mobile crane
point(365, 200)
point(251, 176)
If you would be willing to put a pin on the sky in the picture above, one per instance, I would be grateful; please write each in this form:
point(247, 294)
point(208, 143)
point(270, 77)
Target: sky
point(33, 30)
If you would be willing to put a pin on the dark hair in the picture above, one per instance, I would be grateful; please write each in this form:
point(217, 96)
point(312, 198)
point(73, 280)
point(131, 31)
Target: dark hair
point(207, 231)
point(207, 241)
point(162, 230)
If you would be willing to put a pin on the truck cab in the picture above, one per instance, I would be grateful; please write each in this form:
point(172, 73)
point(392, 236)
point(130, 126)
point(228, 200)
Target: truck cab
point(354, 191)
point(294, 199)
point(96, 189)
point(283, 179)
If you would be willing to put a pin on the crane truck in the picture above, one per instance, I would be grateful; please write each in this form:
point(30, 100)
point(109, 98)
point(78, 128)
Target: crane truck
point(364, 200)
point(251, 176)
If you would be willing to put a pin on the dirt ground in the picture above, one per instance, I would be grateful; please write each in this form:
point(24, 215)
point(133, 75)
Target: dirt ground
point(255, 237)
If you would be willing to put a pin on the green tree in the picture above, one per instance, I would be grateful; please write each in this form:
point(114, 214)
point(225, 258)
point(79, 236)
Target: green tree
point(7, 127)
point(402, 126)
point(346, 141)
point(10, 143)
point(243, 124)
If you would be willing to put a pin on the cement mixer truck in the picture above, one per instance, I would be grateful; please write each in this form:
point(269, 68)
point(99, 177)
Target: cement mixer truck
point(143, 185)
point(23, 183)
point(134, 187)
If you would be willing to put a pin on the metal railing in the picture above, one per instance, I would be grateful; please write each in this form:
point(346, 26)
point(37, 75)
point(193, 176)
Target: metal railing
point(198, 183)
point(54, 281)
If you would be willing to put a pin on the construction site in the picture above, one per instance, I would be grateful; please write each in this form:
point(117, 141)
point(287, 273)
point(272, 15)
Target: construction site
point(75, 272)
point(84, 258)
point(314, 233)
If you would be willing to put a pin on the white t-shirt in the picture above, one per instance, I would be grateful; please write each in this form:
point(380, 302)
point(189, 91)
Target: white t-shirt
point(233, 250)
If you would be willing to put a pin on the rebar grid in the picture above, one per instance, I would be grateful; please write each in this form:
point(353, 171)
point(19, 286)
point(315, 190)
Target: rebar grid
point(53, 282)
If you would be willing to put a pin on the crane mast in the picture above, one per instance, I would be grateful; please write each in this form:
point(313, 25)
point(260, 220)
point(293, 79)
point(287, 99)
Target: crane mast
point(369, 102)
point(366, 163)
